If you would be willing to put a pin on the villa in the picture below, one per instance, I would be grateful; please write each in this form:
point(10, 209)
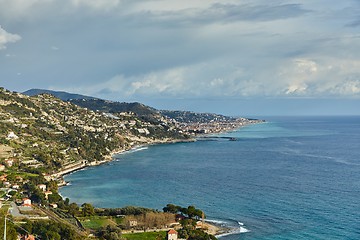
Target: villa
point(26, 202)
point(172, 235)
point(42, 187)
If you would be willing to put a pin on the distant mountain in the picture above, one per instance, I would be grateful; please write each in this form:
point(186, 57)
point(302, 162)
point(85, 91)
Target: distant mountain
point(116, 107)
point(97, 104)
point(144, 112)
point(65, 96)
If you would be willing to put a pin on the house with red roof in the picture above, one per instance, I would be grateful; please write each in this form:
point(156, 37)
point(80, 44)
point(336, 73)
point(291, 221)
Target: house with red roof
point(172, 234)
point(27, 202)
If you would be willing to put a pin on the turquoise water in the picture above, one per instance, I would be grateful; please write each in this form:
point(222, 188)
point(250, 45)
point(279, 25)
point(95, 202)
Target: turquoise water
point(290, 178)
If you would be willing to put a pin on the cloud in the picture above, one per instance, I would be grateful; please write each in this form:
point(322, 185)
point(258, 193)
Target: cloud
point(137, 49)
point(97, 4)
point(323, 77)
point(241, 12)
point(298, 77)
point(6, 38)
point(219, 13)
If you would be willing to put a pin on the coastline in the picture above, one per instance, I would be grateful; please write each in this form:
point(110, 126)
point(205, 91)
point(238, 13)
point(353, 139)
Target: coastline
point(217, 229)
point(58, 176)
point(138, 142)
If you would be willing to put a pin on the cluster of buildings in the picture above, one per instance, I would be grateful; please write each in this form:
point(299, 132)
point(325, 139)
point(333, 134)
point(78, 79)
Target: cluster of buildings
point(216, 126)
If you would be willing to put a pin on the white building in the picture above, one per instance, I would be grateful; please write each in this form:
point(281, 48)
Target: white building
point(12, 135)
point(26, 202)
point(42, 187)
point(172, 234)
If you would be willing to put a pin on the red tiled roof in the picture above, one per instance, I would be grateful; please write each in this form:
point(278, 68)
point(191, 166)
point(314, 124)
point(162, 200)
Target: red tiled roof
point(172, 231)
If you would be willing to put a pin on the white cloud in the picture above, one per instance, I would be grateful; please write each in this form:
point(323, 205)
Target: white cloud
point(6, 38)
point(97, 4)
point(299, 77)
point(190, 48)
point(299, 88)
point(350, 87)
point(326, 76)
point(16, 9)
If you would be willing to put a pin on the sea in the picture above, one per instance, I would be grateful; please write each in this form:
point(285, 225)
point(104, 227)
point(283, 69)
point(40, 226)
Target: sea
point(287, 178)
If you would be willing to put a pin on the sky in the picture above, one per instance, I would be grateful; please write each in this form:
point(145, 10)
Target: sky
point(235, 57)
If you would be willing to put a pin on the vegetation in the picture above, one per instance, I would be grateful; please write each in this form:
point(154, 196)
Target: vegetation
point(42, 135)
point(128, 210)
point(10, 226)
point(49, 230)
point(146, 236)
point(50, 134)
point(190, 211)
point(188, 224)
point(109, 233)
point(97, 222)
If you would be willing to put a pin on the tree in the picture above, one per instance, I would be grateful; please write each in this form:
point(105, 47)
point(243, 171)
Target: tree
point(87, 209)
point(192, 212)
point(188, 224)
point(10, 229)
point(171, 208)
point(49, 230)
point(52, 186)
point(54, 198)
point(109, 233)
point(73, 209)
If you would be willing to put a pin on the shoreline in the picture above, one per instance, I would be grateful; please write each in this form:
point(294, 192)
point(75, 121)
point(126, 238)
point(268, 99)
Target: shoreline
point(58, 176)
point(217, 229)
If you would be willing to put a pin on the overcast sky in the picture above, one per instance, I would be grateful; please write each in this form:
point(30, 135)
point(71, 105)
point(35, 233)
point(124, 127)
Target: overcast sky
point(252, 57)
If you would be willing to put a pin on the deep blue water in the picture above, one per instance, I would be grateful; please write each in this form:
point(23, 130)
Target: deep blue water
point(290, 178)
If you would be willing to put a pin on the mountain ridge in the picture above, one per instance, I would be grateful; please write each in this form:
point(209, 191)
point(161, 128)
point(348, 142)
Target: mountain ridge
point(141, 110)
point(65, 96)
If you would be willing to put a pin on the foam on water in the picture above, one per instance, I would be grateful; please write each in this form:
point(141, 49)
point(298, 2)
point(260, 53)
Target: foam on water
point(234, 231)
point(219, 222)
point(235, 227)
point(135, 149)
point(244, 230)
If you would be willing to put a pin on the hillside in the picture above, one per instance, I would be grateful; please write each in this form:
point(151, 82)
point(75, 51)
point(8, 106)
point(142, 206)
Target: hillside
point(43, 137)
point(65, 96)
point(97, 104)
point(189, 122)
point(45, 133)
point(139, 109)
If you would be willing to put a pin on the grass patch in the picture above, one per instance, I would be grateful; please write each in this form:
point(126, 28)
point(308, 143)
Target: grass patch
point(21, 174)
point(145, 236)
point(96, 222)
point(119, 220)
